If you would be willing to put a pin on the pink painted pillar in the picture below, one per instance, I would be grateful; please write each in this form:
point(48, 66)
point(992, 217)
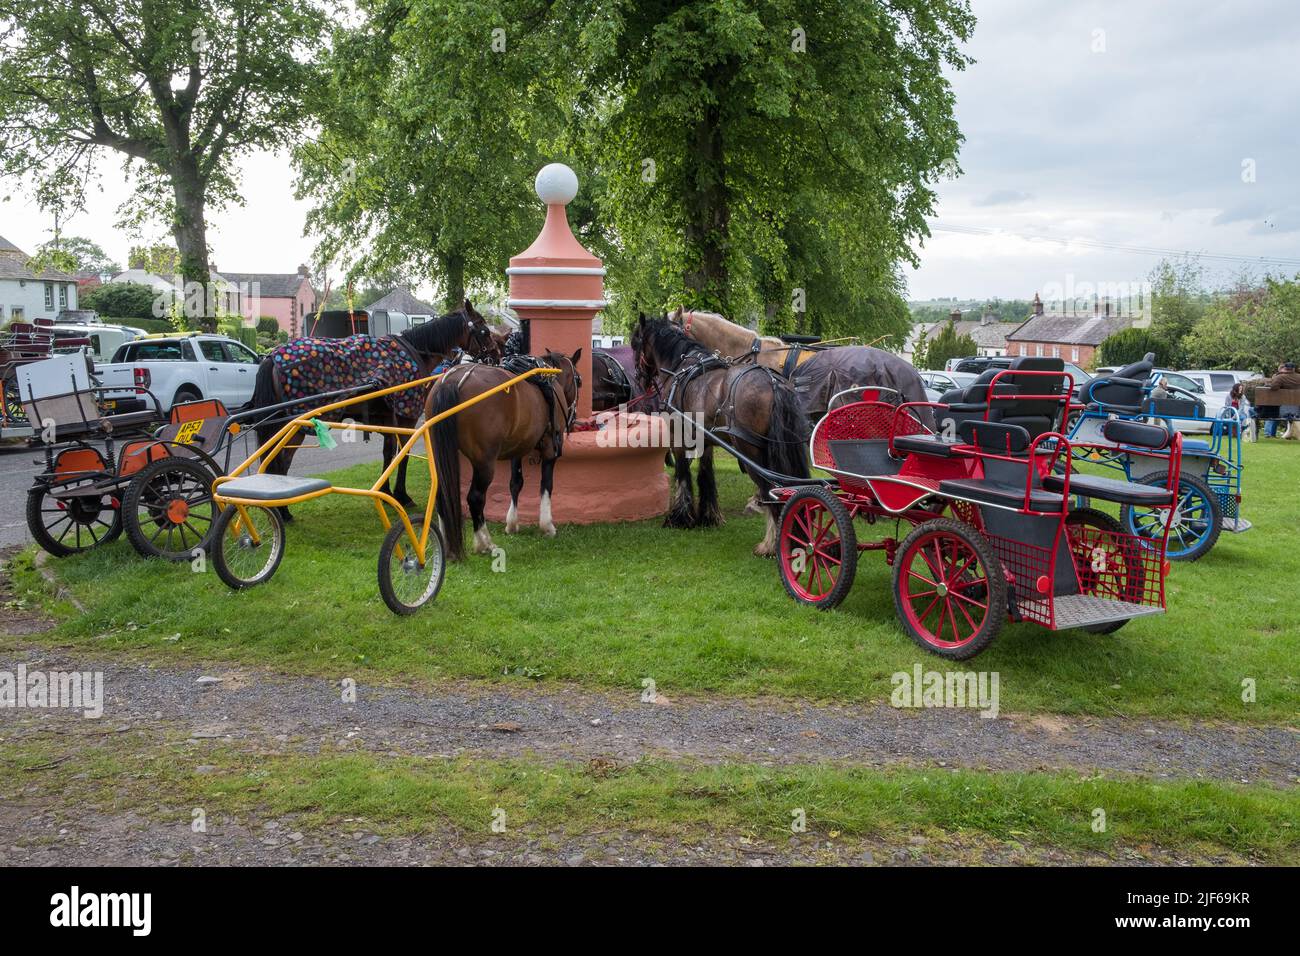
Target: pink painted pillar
point(557, 285)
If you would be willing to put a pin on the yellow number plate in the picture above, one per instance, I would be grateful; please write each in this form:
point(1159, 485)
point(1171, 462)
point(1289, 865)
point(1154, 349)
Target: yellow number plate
point(187, 432)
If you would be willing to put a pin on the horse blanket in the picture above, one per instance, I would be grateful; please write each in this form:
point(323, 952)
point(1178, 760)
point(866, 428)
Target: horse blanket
point(846, 366)
point(309, 367)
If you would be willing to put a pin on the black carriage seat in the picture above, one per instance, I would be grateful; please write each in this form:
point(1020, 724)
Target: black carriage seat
point(106, 424)
point(1004, 481)
point(925, 445)
point(1035, 415)
point(863, 456)
point(1110, 489)
point(1121, 391)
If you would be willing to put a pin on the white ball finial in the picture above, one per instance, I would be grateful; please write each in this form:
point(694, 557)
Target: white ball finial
point(556, 184)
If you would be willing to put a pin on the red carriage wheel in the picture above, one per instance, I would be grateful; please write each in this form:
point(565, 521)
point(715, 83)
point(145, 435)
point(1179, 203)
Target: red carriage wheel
point(817, 549)
point(949, 590)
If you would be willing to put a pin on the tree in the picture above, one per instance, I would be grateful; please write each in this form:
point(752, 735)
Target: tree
point(434, 119)
point(178, 88)
point(121, 300)
point(933, 353)
point(1178, 301)
point(1253, 327)
point(1131, 345)
point(777, 158)
point(77, 254)
point(161, 259)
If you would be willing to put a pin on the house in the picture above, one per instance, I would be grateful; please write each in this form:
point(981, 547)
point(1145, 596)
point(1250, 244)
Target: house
point(401, 300)
point(226, 295)
point(989, 333)
point(1072, 336)
point(26, 294)
point(285, 297)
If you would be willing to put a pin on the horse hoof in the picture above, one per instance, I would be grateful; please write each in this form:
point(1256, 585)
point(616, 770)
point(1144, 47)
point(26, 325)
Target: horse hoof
point(549, 532)
point(764, 550)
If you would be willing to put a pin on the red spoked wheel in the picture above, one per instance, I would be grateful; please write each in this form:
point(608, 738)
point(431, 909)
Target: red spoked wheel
point(817, 549)
point(949, 589)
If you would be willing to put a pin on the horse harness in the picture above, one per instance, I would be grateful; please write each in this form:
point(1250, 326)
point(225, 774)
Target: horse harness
point(726, 409)
point(518, 365)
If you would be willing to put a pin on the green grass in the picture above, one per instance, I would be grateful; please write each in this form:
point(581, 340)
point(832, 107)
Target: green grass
point(695, 611)
point(413, 795)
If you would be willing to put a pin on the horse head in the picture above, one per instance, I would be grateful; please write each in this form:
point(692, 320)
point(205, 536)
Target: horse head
point(570, 381)
point(480, 341)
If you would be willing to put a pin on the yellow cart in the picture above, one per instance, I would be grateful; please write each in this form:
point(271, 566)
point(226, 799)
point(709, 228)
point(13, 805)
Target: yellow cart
point(248, 539)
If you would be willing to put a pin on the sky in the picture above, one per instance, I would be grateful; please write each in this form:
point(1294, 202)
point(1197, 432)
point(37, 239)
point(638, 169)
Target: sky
point(1168, 125)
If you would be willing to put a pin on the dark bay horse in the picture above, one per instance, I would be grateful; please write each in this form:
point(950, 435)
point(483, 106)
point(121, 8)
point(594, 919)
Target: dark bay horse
point(530, 418)
point(304, 367)
point(752, 405)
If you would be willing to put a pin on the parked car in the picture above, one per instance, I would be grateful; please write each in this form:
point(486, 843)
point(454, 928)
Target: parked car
point(179, 368)
point(105, 340)
point(937, 383)
point(1214, 401)
point(1218, 380)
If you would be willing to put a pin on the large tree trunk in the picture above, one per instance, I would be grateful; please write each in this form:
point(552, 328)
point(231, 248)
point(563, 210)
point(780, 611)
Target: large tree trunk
point(708, 213)
point(453, 271)
point(191, 232)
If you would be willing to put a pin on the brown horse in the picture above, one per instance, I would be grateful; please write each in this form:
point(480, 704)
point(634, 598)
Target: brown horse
point(345, 363)
point(532, 417)
point(755, 408)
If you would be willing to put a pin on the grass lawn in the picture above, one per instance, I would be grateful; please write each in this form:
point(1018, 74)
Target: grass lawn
point(695, 611)
point(418, 795)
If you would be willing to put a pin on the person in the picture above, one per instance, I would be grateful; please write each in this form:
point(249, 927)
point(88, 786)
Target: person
point(1160, 392)
point(1245, 412)
point(1285, 378)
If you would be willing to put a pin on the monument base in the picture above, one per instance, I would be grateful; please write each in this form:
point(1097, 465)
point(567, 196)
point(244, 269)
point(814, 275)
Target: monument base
point(602, 477)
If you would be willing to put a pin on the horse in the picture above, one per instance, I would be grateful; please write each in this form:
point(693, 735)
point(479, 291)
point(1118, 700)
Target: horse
point(304, 367)
point(750, 403)
point(613, 375)
point(737, 341)
point(817, 374)
point(532, 417)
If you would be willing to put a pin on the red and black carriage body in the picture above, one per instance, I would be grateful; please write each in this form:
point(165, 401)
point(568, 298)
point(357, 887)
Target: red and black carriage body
point(988, 496)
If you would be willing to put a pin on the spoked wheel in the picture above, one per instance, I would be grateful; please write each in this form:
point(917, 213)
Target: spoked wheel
point(1108, 562)
point(70, 524)
point(14, 412)
point(1194, 526)
point(168, 510)
point(817, 548)
point(247, 545)
point(949, 589)
point(406, 583)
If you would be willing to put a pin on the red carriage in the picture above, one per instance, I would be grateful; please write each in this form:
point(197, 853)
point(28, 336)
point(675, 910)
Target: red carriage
point(988, 498)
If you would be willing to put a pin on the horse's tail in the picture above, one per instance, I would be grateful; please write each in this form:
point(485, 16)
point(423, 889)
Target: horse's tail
point(264, 395)
point(787, 432)
point(446, 455)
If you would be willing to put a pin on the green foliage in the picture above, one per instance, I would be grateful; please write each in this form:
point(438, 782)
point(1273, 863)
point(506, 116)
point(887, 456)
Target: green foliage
point(432, 128)
point(933, 352)
point(123, 300)
point(1179, 300)
point(162, 259)
point(1250, 328)
point(268, 325)
point(79, 255)
point(1132, 345)
point(761, 155)
point(179, 89)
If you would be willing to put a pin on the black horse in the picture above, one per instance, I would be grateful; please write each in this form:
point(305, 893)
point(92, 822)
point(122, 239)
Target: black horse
point(300, 368)
point(755, 408)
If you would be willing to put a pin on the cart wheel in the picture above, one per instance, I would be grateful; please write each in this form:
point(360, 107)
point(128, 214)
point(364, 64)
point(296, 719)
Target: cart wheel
point(168, 510)
point(241, 561)
point(817, 548)
point(65, 526)
point(1197, 521)
point(1099, 541)
point(406, 584)
point(949, 589)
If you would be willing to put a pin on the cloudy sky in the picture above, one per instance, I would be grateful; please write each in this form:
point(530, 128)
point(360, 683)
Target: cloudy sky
point(1147, 124)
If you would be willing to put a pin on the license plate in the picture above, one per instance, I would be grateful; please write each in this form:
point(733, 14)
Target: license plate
point(110, 403)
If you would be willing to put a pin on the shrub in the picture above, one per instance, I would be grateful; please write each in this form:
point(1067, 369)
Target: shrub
point(1131, 345)
point(124, 300)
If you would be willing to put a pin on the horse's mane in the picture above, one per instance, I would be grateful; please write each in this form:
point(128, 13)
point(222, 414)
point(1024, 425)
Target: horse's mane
point(439, 335)
point(670, 343)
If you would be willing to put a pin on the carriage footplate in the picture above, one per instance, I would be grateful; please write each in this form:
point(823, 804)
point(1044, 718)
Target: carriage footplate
point(265, 487)
point(1081, 610)
point(1236, 525)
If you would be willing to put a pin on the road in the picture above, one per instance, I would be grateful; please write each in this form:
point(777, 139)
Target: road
point(19, 464)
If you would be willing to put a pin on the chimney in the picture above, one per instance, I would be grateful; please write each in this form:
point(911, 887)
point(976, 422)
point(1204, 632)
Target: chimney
point(303, 271)
point(986, 318)
point(954, 315)
point(1038, 305)
point(1107, 302)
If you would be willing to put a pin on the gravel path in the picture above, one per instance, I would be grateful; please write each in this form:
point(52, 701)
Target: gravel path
point(245, 704)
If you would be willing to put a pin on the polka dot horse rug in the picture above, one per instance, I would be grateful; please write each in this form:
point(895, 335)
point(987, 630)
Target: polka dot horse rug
point(307, 367)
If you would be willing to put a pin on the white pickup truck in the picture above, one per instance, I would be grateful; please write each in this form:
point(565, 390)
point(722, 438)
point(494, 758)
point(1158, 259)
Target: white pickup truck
point(178, 368)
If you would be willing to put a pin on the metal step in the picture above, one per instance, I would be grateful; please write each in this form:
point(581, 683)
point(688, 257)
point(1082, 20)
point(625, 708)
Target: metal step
point(1080, 610)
